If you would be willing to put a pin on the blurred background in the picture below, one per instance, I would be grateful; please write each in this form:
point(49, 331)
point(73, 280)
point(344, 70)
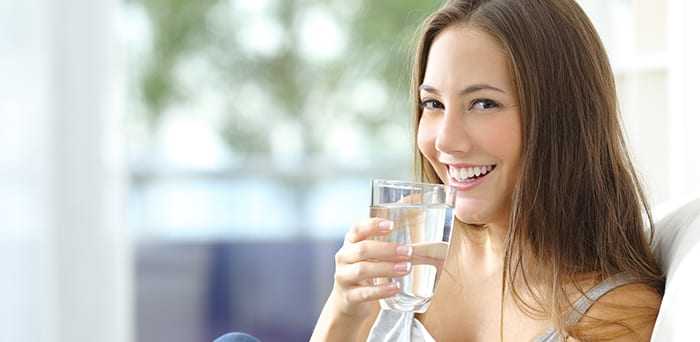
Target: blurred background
point(172, 170)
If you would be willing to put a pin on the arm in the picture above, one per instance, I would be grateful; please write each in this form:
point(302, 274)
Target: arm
point(339, 327)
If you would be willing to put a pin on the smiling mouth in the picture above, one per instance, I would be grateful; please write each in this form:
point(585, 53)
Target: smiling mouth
point(469, 174)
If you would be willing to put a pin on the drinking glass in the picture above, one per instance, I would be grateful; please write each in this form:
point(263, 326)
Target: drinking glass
point(423, 218)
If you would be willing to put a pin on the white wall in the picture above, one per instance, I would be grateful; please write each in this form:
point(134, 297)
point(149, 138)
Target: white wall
point(654, 50)
point(684, 95)
point(64, 252)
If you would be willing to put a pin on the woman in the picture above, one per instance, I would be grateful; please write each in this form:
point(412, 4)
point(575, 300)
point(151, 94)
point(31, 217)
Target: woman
point(550, 241)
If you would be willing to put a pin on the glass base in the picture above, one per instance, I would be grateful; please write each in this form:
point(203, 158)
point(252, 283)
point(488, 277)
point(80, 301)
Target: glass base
point(405, 303)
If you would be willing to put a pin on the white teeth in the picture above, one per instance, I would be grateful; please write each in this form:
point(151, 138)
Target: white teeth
point(474, 171)
point(462, 174)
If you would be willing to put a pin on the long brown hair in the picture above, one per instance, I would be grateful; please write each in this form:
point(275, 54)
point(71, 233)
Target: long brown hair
point(578, 207)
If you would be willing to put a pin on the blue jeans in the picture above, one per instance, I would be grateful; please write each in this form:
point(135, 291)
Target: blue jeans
point(236, 337)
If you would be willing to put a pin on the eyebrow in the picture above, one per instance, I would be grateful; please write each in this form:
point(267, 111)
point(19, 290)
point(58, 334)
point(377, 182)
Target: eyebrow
point(470, 89)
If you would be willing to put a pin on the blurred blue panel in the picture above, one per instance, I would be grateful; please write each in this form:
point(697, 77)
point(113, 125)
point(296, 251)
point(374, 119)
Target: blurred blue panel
point(333, 206)
point(196, 291)
point(213, 208)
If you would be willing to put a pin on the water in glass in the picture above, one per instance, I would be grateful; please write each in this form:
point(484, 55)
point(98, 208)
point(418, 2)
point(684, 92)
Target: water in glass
point(427, 229)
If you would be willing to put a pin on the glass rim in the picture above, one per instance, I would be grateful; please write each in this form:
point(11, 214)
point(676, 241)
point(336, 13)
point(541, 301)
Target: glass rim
point(408, 184)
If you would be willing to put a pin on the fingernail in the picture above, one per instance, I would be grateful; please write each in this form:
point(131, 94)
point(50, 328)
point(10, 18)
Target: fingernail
point(386, 225)
point(392, 285)
point(404, 250)
point(402, 267)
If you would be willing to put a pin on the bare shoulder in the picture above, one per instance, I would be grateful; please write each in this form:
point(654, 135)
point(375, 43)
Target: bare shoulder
point(627, 313)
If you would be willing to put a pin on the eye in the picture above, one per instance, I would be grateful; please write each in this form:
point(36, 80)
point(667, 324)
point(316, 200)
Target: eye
point(431, 104)
point(484, 104)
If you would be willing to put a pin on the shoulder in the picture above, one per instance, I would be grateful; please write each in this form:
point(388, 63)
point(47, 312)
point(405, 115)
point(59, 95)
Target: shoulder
point(627, 313)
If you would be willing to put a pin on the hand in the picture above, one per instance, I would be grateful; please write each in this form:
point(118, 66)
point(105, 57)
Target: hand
point(360, 260)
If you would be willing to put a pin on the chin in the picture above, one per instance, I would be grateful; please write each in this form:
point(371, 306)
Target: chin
point(471, 212)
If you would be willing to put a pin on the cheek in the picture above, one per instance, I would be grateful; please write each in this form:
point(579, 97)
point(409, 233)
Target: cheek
point(501, 137)
point(425, 139)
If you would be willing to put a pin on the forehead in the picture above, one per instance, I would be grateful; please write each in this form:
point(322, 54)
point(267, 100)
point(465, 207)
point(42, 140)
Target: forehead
point(462, 55)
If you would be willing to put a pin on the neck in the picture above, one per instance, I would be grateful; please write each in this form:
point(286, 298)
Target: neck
point(477, 248)
point(483, 239)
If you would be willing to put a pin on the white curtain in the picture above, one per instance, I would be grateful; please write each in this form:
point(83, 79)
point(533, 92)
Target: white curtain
point(684, 92)
point(64, 253)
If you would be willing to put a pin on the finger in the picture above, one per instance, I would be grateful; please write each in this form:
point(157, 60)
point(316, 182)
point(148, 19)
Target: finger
point(353, 274)
point(371, 227)
point(372, 293)
point(433, 250)
point(373, 250)
point(412, 199)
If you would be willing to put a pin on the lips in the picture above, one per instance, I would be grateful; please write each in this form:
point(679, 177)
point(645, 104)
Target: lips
point(462, 174)
point(470, 178)
point(460, 181)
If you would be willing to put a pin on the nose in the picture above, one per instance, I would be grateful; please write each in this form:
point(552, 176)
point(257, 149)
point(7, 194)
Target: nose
point(452, 137)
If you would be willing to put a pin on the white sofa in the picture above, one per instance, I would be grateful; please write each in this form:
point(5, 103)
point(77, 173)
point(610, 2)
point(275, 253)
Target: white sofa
point(677, 247)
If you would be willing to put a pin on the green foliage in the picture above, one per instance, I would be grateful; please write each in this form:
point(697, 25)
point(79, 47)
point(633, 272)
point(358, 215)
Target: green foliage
point(379, 40)
point(178, 29)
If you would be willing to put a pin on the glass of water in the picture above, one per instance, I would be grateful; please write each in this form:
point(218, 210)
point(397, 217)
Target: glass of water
point(423, 218)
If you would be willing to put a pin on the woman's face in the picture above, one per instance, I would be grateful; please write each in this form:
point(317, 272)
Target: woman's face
point(471, 123)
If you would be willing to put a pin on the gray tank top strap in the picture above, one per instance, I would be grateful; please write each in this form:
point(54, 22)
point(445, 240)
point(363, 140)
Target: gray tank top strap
point(586, 301)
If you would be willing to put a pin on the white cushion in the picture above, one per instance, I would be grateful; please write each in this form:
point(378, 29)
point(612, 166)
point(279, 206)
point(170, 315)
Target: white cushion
point(677, 248)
